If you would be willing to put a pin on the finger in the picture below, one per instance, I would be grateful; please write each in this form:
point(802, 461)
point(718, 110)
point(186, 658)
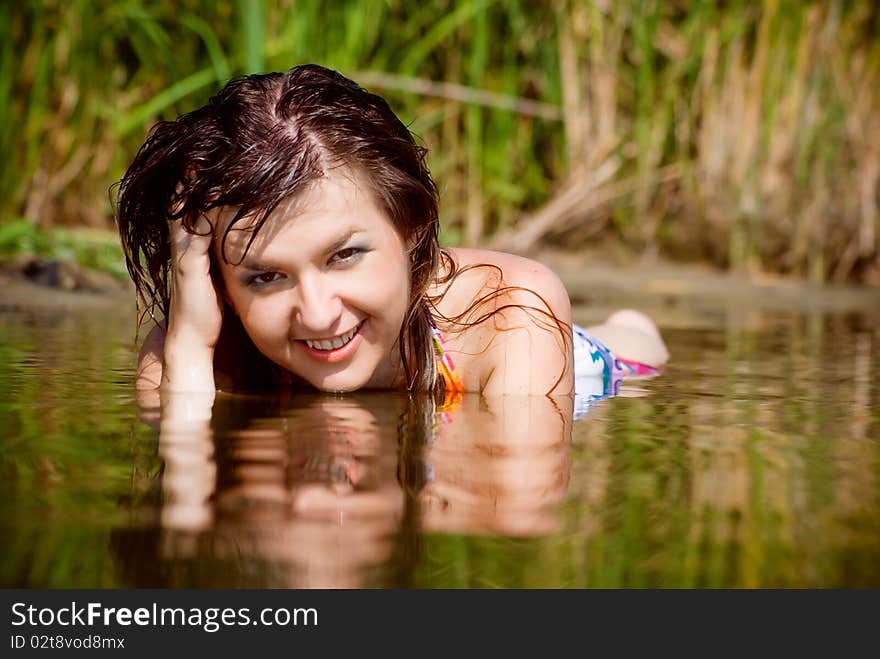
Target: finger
point(194, 243)
point(179, 237)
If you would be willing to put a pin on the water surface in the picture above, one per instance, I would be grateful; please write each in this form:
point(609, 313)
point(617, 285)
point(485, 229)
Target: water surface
point(753, 461)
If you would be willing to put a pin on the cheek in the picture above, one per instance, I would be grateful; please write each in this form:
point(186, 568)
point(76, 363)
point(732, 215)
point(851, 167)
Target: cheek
point(263, 319)
point(387, 287)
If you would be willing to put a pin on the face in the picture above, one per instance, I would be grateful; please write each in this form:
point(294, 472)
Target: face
point(323, 289)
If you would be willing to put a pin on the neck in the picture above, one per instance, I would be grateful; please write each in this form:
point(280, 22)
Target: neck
point(389, 374)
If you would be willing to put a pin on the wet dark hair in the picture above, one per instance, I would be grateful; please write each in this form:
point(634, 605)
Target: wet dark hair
point(266, 137)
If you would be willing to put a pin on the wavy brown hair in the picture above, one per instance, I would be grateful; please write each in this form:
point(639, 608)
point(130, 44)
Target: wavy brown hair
point(261, 139)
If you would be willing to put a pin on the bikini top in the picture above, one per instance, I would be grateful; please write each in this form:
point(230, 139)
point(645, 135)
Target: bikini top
point(588, 350)
point(452, 384)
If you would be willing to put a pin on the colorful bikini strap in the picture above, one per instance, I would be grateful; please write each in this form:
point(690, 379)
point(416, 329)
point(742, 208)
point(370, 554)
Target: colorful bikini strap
point(452, 383)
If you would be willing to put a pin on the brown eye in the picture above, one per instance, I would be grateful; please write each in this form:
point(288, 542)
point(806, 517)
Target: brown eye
point(265, 278)
point(346, 255)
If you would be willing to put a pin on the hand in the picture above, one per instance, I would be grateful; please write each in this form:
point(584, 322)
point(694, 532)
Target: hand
point(196, 315)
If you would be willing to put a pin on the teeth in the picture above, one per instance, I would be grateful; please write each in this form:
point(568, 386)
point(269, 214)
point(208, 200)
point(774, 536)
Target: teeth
point(335, 342)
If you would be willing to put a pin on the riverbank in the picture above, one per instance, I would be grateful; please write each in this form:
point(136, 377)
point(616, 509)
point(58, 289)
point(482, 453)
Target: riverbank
point(29, 282)
point(680, 295)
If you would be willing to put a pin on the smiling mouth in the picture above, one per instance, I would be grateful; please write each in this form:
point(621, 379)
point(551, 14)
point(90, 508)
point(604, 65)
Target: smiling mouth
point(337, 342)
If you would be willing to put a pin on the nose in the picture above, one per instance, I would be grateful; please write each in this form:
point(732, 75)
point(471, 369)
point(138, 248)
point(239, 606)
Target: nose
point(318, 308)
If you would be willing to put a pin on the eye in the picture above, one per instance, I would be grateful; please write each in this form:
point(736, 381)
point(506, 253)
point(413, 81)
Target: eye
point(264, 278)
point(347, 255)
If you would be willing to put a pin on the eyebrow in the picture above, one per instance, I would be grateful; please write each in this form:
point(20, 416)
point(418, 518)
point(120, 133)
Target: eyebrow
point(257, 266)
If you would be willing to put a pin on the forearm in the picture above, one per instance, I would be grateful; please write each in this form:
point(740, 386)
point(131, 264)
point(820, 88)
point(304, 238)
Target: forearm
point(187, 366)
point(169, 360)
point(195, 315)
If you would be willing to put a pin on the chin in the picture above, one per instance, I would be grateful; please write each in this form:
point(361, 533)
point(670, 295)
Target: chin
point(340, 385)
point(354, 376)
point(341, 389)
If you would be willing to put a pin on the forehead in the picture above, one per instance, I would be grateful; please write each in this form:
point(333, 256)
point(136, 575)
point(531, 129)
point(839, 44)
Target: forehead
point(329, 207)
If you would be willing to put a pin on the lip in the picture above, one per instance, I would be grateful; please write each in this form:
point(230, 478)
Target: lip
point(339, 354)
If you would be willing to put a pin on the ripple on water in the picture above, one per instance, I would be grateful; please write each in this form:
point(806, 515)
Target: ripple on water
point(751, 462)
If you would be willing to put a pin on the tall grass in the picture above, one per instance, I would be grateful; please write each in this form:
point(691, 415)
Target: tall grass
point(746, 134)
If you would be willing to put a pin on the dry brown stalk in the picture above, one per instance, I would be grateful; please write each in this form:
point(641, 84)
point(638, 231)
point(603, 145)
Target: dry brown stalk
point(460, 93)
point(574, 203)
point(575, 108)
point(570, 199)
point(474, 216)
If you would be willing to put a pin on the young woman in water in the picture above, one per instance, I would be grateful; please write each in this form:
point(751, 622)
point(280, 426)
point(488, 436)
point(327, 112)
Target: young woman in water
point(287, 231)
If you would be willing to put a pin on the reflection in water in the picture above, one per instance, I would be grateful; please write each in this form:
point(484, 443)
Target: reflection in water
point(754, 461)
point(499, 466)
point(755, 465)
point(299, 493)
point(323, 491)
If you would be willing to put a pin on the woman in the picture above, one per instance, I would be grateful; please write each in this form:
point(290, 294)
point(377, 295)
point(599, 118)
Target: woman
point(288, 232)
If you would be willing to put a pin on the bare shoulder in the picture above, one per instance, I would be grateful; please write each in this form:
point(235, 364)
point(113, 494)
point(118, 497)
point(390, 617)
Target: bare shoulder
point(528, 282)
point(514, 266)
point(150, 359)
point(520, 340)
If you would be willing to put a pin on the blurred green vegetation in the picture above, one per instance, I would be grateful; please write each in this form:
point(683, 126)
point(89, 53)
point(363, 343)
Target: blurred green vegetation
point(92, 248)
point(745, 134)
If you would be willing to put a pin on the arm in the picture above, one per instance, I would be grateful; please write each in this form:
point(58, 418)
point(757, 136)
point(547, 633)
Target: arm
point(529, 353)
point(181, 357)
point(150, 368)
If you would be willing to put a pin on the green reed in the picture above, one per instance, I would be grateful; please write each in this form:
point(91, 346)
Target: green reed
point(744, 134)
